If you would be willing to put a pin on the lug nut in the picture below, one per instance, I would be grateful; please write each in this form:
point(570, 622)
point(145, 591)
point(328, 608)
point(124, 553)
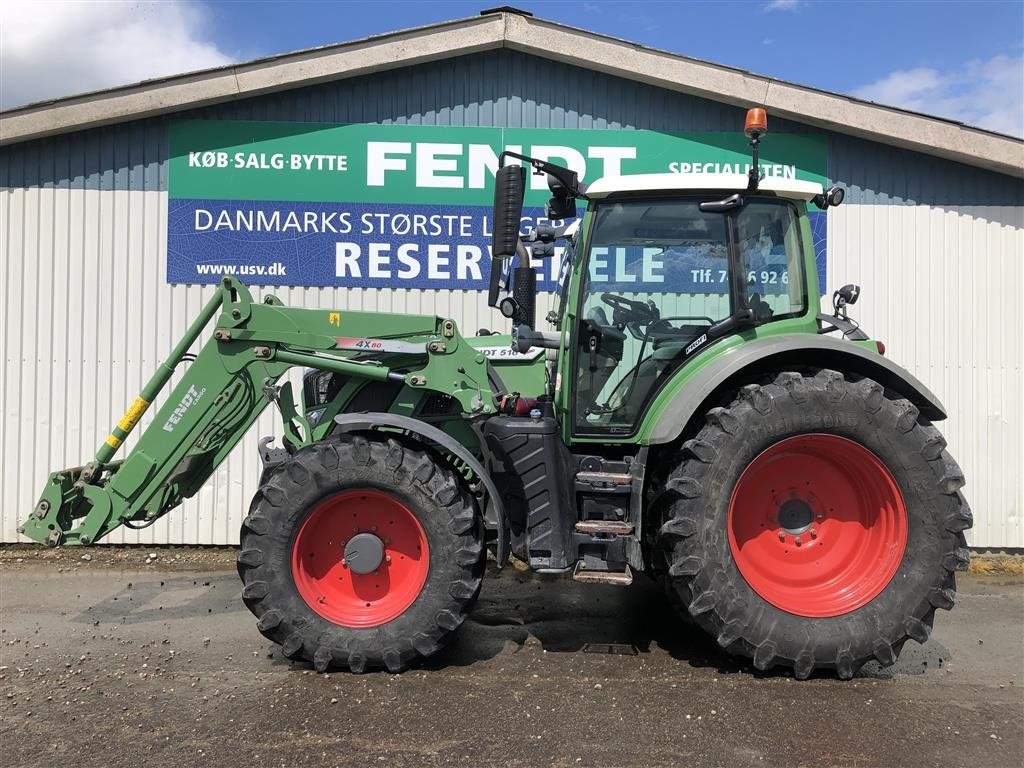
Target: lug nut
point(782, 535)
point(814, 533)
point(799, 541)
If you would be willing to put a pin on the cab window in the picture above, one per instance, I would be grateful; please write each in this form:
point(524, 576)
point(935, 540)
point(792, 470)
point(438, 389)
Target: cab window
point(657, 277)
point(769, 240)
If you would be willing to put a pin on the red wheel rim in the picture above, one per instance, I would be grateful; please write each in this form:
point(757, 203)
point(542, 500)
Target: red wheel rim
point(327, 583)
point(817, 525)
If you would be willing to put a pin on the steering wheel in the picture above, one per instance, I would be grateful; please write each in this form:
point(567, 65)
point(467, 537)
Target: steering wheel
point(627, 312)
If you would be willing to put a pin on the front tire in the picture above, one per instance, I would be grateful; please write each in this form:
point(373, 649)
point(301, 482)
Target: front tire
point(361, 553)
point(814, 523)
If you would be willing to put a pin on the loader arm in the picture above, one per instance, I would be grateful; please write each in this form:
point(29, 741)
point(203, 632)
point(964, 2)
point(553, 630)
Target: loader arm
point(223, 390)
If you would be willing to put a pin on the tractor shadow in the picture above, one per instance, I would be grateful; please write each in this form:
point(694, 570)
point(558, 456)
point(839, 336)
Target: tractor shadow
point(516, 609)
point(563, 616)
point(166, 597)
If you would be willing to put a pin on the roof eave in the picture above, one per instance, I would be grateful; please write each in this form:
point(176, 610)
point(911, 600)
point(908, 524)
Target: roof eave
point(276, 73)
point(833, 112)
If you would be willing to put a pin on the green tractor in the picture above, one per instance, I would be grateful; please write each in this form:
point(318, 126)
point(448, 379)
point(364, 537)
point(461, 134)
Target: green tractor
point(690, 415)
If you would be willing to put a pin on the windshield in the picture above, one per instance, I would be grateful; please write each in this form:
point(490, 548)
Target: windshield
point(658, 277)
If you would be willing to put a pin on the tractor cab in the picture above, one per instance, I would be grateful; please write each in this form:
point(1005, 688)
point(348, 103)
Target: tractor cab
point(670, 265)
point(660, 268)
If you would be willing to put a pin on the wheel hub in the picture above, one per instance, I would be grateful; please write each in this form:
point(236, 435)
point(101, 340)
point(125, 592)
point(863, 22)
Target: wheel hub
point(795, 516)
point(364, 553)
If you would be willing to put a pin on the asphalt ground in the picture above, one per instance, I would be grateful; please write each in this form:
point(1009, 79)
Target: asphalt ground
point(129, 664)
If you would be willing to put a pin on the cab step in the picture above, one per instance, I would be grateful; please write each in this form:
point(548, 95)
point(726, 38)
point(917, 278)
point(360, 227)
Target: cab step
point(594, 576)
point(610, 527)
point(599, 480)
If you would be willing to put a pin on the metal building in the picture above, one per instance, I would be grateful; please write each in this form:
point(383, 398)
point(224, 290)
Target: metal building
point(932, 229)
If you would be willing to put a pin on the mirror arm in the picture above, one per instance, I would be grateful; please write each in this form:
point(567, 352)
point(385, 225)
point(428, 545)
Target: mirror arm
point(523, 253)
point(567, 178)
point(524, 338)
point(494, 284)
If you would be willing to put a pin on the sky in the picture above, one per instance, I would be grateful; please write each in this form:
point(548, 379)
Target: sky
point(961, 60)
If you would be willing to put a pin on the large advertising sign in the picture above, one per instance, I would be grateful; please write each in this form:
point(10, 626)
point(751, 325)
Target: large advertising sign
point(402, 206)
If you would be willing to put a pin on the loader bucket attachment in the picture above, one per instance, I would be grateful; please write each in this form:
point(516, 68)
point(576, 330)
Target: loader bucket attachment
point(206, 413)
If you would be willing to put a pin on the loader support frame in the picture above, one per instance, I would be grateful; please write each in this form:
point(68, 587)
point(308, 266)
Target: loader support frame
point(227, 385)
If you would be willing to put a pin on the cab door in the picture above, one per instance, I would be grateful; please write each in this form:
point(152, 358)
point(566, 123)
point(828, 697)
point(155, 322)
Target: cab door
point(656, 279)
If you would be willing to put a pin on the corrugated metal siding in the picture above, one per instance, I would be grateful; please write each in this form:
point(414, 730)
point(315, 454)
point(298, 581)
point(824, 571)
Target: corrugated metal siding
point(939, 249)
point(87, 315)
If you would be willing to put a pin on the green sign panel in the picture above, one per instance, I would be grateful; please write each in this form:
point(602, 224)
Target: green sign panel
point(397, 205)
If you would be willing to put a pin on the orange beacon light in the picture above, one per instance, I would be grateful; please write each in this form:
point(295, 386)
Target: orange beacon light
point(756, 124)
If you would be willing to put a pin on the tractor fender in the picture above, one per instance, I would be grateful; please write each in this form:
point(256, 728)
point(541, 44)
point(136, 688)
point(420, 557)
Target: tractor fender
point(366, 422)
point(743, 363)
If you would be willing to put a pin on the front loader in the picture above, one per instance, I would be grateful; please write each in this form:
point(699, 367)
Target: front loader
point(690, 415)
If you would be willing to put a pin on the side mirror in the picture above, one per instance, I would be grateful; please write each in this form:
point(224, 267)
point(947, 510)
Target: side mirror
point(562, 204)
point(833, 196)
point(509, 188)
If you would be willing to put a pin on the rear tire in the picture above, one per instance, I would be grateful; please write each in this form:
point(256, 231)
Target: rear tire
point(425, 542)
point(880, 495)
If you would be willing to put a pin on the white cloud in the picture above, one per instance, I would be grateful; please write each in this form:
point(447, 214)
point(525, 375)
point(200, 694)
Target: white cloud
point(783, 5)
point(988, 94)
point(52, 49)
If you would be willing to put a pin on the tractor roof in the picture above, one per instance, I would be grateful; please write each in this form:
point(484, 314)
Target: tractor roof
point(699, 182)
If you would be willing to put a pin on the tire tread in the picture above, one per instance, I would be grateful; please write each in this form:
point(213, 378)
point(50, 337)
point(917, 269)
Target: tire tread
point(284, 618)
point(712, 593)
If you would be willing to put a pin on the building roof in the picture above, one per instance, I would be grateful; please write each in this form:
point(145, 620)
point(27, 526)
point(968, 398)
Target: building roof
point(673, 182)
point(507, 28)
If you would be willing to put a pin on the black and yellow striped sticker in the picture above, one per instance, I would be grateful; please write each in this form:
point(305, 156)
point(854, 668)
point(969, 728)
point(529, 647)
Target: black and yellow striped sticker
point(131, 417)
